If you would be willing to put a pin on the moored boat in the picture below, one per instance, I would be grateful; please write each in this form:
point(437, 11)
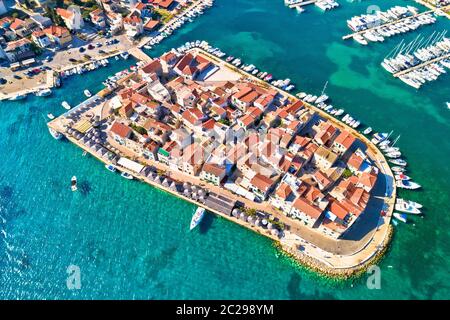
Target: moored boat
point(87, 93)
point(401, 217)
point(73, 183)
point(50, 116)
point(368, 130)
point(111, 167)
point(126, 175)
point(402, 176)
point(55, 134)
point(407, 184)
point(407, 206)
point(66, 105)
point(197, 217)
point(399, 162)
point(43, 93)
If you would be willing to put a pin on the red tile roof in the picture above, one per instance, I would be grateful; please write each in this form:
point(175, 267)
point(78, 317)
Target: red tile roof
point(151, 24)
point(262, 182)
point(307, 208)
point(345, 139)
point(120, 129)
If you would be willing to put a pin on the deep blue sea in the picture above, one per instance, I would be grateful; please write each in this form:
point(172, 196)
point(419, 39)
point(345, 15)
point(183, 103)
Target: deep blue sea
point(132, 241)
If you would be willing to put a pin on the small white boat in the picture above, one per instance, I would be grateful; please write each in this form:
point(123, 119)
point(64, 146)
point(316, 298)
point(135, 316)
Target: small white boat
point(66, 105)
point(147, 47)
point(87, 93)
point(398, 170)
point(406, 207)
point(126, 175)
point(197, 217)
point(73, 184)
point(407, 184)
point(401, 217)
point(448, 105)
point(55, 134)
point(50, 116)
point(43, 93)
point(110, 167)
point(399, 162)
point(368, 130)
point(409, 203)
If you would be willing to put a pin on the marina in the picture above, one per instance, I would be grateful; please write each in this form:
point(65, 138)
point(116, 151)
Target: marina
point(380, 25)
point(420, 61)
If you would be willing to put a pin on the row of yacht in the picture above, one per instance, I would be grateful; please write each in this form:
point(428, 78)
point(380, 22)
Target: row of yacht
point(426, 58)
point(94, 65)
point(378, 34)
point(284, 84)
point(378, 18)
point(178, 22)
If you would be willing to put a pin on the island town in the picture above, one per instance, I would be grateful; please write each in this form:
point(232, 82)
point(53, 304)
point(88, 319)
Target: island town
point(197, 127)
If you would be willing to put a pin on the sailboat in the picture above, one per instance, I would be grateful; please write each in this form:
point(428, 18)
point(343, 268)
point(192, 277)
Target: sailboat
point(323, 97)
point(197, 217)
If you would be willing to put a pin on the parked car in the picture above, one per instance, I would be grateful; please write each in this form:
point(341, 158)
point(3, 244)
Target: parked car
point(82, 49)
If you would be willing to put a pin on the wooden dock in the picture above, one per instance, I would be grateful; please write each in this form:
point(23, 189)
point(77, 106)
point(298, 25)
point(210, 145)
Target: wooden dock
point(400, 73)
point(348, 36)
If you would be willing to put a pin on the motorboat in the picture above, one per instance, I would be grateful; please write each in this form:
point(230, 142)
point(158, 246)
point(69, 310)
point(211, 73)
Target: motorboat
point(87, 93)
point(73, 183)
point(401, 217)
point(50, 116)
point(66, 105)
point(399, 162)
point(407, 184)
point(368, 130)
point(43, 93)
point(407, 206)
point(197, 217)
point(398, 169)
point(55, 134)
point(126, 175)
point(110, 167)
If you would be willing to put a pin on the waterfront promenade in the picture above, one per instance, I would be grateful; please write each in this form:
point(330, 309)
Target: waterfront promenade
point(341, 256)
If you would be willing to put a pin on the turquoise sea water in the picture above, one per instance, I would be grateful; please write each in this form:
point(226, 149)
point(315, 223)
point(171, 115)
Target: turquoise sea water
point(132, 241)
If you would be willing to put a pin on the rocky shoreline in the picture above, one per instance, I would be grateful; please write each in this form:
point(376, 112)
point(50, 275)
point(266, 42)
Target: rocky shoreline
point(311, 264)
